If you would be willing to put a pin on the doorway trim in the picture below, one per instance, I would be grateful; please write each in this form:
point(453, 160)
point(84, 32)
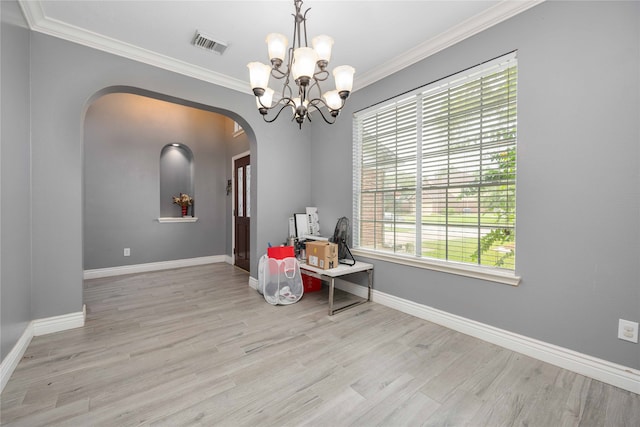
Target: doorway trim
point(233, 203)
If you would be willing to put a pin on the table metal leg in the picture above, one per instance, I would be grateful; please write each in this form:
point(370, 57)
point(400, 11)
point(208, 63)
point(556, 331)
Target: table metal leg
point(331, 289)
point(333, 311)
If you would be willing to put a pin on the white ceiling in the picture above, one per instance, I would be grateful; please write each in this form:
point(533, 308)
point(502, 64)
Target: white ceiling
point(376, 37)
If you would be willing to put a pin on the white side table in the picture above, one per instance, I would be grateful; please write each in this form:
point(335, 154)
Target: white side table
point(340, 271)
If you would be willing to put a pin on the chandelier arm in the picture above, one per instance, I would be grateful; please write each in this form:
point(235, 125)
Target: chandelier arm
point(316, 101)
point(322, 114)
point(277, 115)
point(276, 73)
point(289, 65)
point(290, 62)
point(286, 87)
point(319, 102)
point(288, 101)
point(316, 84)
point(304, 23)
point(296, 24)
point(286, 92)
point(295, 32)
point(343, 102)
point(321, 75)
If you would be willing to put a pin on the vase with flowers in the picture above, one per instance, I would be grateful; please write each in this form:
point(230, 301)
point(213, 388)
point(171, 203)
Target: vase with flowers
point(184, 201)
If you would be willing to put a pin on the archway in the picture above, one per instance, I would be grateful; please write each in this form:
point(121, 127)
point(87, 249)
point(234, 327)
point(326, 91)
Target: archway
point(125, 130)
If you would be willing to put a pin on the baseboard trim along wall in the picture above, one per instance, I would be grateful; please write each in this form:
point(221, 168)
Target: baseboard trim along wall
point(583, 364)
point(54, 324)
point(36, 328)
point(598, 369)
point(154, 266)
point(64, 322)
point(10, 362)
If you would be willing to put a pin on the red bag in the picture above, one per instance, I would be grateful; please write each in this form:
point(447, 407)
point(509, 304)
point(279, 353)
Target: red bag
point(281, 252)
point(310, 283)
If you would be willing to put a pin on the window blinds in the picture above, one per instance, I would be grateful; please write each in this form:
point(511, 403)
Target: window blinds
point(434, 171)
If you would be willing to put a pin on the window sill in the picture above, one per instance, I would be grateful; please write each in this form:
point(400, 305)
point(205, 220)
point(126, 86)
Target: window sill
point(484, 273)
point(165, 220)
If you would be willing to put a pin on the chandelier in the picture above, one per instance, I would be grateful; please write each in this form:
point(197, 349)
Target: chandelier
point(306, 68)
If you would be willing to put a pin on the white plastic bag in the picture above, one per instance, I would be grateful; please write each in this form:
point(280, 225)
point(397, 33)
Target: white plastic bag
point(261, 278)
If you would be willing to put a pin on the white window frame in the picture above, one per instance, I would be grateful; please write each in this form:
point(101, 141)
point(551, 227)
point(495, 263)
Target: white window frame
point(237, 129)
point(489, 273)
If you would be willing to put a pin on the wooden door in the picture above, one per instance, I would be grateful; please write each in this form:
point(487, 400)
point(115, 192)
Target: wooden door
point(242, 211)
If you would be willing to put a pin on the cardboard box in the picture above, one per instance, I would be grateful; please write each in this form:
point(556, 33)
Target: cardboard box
point(322, 254)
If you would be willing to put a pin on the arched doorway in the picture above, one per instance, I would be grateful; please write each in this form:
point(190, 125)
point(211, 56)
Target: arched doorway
point(125, 130)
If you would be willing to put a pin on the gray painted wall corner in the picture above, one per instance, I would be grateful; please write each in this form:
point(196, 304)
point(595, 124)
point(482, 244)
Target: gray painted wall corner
point(15, 218)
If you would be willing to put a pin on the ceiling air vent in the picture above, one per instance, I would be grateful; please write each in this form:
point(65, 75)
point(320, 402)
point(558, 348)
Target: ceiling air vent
point(205, 41)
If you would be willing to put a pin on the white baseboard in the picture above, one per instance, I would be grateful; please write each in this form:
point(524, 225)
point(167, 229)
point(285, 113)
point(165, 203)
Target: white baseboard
point(352, 288)
point(10, 362)
point(50, 325)
point(592, 367)
point(36, 328)
point(153, 266)
point(599, 369)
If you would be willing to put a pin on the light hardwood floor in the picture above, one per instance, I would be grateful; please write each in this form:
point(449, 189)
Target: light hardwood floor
point(197, 346)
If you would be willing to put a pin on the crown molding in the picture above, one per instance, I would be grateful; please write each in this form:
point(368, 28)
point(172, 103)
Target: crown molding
point(39, 22)
point(472, 26)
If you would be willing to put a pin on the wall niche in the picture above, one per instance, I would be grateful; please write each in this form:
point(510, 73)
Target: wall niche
point(176, 176)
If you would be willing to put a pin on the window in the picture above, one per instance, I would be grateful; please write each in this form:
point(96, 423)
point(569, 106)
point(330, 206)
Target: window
point(435, 171)
point(237, 129)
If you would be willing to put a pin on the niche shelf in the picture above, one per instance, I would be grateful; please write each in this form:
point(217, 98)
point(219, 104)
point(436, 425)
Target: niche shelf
point(171, 219)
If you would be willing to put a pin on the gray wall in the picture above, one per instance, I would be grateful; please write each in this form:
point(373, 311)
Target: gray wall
point(123, 137)
point(57, 114)
point(15, 211)
point(578, 195)
point(64, 79)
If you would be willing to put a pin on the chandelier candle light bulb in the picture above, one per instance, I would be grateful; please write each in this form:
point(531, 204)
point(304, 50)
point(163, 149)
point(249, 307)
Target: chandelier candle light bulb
point(323, 44)
point(333, 100)
point(259, 74)
point(277, 45)
point(303, 70)
point(304, 64)
point(344, 79)
point(264, 101)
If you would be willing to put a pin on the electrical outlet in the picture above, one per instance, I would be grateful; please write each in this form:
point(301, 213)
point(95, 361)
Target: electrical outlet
point(127, 251)
point(628, 330)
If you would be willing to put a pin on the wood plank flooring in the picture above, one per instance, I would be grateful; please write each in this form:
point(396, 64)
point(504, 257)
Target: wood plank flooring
point(197, 346)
